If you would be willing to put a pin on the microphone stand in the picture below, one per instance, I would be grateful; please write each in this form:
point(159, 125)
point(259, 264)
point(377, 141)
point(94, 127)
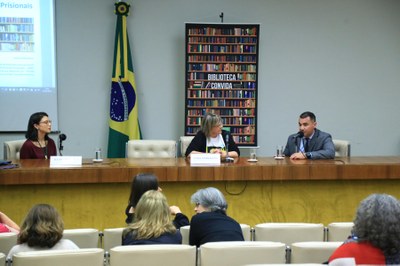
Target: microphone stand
point(228, 159)
point(60, 148)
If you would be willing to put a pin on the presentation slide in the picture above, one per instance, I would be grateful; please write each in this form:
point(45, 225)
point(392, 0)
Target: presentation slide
point(27, 62)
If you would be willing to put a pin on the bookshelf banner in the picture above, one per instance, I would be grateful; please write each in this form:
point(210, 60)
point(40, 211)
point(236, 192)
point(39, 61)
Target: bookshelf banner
point(222, 78)
point(123, 119)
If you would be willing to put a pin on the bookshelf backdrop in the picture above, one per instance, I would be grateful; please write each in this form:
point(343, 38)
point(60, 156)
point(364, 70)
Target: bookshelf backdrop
point(221, 77)
point(16, 34)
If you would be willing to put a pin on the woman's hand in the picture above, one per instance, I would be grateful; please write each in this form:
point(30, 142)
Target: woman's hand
point(174, 210)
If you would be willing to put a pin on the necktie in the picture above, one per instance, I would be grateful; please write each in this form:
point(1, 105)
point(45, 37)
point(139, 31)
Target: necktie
point(306, 144)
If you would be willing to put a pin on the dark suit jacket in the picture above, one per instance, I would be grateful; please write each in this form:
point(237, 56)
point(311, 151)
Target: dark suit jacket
point(320, 146)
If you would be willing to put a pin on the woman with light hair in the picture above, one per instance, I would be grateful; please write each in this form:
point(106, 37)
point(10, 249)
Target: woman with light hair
point(152, 223)
point(42, 229)
point(210, 223)
point(212, 139)
point(376, 233)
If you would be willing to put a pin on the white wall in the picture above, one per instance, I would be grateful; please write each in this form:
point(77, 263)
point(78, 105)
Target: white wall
point(339, 59)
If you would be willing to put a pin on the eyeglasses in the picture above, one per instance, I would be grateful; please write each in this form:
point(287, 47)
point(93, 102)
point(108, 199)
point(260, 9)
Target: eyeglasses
point(45, 122)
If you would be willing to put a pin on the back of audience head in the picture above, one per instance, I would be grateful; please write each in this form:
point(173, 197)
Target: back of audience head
point(209, 199)
point(42, 227)
point(140, 184)
point(152, 216)
point(378, 222)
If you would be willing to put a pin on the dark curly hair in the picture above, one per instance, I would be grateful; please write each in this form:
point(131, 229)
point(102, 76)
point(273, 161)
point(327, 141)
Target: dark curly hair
point(378, 222)
point(42, 227)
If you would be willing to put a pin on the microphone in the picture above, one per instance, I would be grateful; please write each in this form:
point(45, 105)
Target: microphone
point(61, 138)
point(299, 134)
point(228, 159)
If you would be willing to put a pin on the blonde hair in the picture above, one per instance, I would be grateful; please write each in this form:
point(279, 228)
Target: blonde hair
point(152, 217)
point(209, 121)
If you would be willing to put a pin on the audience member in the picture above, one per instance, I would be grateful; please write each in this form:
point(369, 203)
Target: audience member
point(38, 144)
point(7, 225)
point(309, 142)
point(152, 223)
point(376, 233)
point(42, 229)
point(142, 183)
point(211, 224)
point(212, 139)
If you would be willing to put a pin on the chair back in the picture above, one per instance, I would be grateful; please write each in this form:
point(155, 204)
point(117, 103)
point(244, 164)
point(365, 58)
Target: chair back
point(153, 255)
point(339, 231)
point(77, 257)
point(246, 231)
point(235, 253)
point(2, 259)
point(342, 148)
point(7, 241)
point(112, 237)
point(151, 149)
point(185, 234)
point(12, 148)
point(184, 143)
point(83, 237)
point(289, 233)
point(312, 252)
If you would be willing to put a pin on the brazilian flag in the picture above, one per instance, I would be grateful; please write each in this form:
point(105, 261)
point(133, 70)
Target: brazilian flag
point(123, 121)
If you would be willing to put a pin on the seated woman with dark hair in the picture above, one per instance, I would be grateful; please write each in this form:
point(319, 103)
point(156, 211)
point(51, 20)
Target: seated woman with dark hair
point(142, 183)
point(42, 229)
point(211, 224)
point(38, 144)
point(152, 223)
point(375, 236)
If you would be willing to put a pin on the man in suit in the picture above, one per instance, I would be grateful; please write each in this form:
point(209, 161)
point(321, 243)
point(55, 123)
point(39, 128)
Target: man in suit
point(309, 142)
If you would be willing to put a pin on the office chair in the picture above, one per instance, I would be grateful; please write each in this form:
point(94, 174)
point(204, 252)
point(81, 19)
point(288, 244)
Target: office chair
point(112, 237)
point(342, 148)
point(151, 149)
point(312, 252)
point(339, 231)
point(185, 141)
point(153, 255)
point(76, 257)
point(289, 233)
point(2, 259)
point(83, 237)
point(12, 148)
point(235, 253)
point(7, 241)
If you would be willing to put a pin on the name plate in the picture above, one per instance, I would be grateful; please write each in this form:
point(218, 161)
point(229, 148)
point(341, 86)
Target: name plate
point(65, 161)
point(205, 159)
